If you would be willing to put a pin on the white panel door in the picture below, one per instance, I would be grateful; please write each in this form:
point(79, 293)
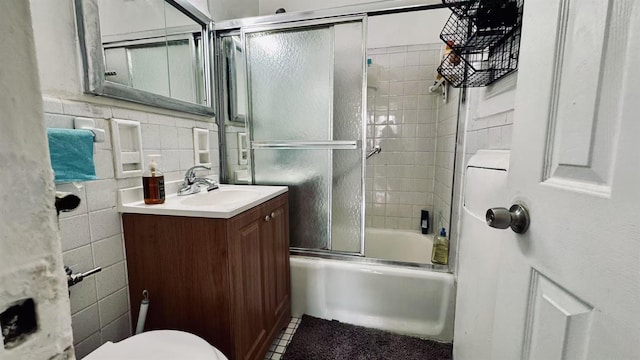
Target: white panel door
point(570, 287)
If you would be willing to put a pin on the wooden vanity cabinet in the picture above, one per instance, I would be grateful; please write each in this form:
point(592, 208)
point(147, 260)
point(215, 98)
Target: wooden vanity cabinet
point(226, 281)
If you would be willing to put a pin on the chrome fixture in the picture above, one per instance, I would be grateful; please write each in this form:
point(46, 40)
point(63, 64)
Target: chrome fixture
point(191, 183)
point(73, 279)
point(375, 150)
point(517, 218)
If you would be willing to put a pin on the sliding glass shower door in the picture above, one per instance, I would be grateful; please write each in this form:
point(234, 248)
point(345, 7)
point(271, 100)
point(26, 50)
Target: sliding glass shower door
point(306, 114)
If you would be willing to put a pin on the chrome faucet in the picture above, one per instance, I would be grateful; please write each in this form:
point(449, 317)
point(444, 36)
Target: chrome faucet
point(191, 183)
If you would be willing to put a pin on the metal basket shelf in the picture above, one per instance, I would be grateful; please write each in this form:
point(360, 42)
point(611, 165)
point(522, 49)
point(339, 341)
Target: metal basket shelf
point(460, 7)
point(484, 37)
point(480, 68)
point(495, 12)
point(464, 36)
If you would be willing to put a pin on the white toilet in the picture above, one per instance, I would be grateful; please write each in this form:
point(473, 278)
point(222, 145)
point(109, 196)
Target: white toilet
point(158, 345)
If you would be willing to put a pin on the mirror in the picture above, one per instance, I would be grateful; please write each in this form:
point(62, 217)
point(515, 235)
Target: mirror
point(235, 93)
point(154, 52)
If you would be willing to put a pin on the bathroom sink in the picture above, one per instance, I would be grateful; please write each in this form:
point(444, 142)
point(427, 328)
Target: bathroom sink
point(223, 203)
point(221, 197)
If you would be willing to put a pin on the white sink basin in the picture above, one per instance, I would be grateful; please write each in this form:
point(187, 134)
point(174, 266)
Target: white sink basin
point(221, 197)
point(223, 203)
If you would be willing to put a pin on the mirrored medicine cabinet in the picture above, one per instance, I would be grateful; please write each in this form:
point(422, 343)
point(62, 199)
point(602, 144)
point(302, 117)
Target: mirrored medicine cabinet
point(153, 52)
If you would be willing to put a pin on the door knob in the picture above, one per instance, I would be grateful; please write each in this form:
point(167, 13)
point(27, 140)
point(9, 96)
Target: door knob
point(517, 218)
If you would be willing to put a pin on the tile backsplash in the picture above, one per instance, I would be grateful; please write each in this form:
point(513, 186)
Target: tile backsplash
point(92, 234)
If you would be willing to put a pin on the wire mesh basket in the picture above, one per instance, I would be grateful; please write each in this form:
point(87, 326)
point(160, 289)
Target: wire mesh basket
point(463, 35)
point(485, 41)
point(481, 68)
point(490, 13)
point(460, 7)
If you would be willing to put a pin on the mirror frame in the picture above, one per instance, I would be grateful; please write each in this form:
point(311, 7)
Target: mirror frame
point(229, 83)
point(88, 21)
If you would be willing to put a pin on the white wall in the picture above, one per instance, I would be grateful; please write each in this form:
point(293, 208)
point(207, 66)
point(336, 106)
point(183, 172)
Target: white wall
point(125, 17)
point(232, 9)
point(29, 239)
point(420, 27)
point(92, 235)
point(268, 7)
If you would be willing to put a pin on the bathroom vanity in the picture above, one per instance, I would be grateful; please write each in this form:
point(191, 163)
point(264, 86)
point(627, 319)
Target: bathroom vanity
point(215, 264)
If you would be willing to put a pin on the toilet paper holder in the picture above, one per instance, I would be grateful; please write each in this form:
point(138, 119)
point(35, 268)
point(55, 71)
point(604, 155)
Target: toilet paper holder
point(73, 279)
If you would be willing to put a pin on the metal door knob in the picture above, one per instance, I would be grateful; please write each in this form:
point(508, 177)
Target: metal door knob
point(517, 218)
point(267, 218)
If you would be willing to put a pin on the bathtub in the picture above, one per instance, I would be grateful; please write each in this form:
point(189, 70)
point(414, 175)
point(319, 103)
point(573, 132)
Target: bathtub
point(398, 245)
point(412, 301)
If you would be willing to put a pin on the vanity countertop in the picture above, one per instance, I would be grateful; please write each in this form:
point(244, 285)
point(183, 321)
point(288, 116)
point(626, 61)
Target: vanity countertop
point(223, 203)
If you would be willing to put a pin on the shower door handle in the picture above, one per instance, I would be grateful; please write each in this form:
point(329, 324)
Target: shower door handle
point(307, 145)
point(517, 218)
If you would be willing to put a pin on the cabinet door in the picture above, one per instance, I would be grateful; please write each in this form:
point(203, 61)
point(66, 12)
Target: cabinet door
point(275, 250)
point(247, 292)
point(182, 262)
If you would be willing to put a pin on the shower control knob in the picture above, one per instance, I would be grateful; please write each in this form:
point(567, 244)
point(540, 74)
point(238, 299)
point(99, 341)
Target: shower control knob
point(517, 218)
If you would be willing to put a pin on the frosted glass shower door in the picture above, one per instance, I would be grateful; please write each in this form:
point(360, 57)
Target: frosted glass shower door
point(305, 86)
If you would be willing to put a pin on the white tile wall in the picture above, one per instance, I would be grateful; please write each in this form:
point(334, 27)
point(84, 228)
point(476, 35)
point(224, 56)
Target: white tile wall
point(108, 251)
point(113, 306)
point(115, 330)
point(75, 231)
point(92, 234)
point(491, 132)
point(85, 322)
point(111, 279)
point(83, 348)
point(402, 119)
point(99, 194)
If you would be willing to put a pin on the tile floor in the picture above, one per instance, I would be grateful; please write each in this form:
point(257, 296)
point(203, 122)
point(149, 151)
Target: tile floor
point(283, 339)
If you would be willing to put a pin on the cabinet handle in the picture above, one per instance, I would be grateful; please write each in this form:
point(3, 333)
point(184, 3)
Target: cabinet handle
point(267, 218)
point(273, 215)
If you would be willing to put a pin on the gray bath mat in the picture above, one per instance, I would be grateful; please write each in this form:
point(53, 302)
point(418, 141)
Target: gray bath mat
point(318, 339)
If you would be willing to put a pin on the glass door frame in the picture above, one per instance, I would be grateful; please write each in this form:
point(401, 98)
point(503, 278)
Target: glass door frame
point(329, 145)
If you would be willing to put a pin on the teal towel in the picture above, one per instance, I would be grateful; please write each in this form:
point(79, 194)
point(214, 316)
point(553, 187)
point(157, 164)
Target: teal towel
point(71, 153)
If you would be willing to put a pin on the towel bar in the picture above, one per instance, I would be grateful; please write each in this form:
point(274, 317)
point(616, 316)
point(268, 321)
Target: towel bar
point(89, 124)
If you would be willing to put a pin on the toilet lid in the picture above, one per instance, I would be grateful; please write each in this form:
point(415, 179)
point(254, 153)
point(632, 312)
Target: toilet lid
point(158, 345)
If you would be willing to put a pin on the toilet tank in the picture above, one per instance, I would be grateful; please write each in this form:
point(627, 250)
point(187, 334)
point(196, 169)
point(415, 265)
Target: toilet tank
point(479, 257)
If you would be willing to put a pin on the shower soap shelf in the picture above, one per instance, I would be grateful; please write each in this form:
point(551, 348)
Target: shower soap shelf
point(484, 36)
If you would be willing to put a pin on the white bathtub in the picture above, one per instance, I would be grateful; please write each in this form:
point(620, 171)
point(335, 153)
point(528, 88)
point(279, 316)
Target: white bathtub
point(409, 301)
point(398, 245)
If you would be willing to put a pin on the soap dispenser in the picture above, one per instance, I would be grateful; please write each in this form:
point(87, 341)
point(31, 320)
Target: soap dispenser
point(440, 251)
point(153, 183)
